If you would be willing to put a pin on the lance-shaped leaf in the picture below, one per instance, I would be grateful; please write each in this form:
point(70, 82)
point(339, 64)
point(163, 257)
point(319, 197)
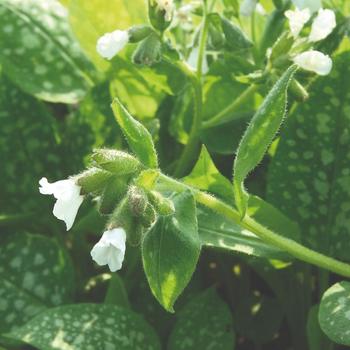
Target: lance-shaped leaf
point(259, 135)
point(170, 251)
point(309, 177)
point(138, 137)
point(39, 53)
point(88, 327)
point(334, 313)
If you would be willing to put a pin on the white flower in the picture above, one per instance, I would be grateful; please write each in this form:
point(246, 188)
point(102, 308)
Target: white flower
point(247, 7)
point(323, 25)
point(111, 43)
point(297, 19)
point(312, 5)
point(183, 17)
point(68, 196)
point(314, 61)
point(110, 250)
point(168, 7)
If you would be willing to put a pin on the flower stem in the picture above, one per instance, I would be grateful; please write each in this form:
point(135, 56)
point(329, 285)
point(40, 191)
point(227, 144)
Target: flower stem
point(234, 106)
point(292, 247)
point(192, 146)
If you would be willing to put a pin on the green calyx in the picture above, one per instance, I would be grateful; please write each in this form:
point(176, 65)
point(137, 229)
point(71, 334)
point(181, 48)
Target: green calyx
point(93, 180)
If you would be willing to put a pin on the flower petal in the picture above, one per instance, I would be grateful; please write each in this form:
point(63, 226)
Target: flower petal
point(297, 20)
point(323, 25)
point(314, 61)
point(98, 253)
point(112, 43)
point(247, 7)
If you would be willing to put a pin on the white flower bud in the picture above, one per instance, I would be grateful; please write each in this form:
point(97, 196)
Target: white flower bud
point(68, 196)
point(312, 5)
point(314, 61)
point(297, 20)
point(111, 43)
point(168, 7)
point(110, 249)
point(323, 25)
point(247, 7)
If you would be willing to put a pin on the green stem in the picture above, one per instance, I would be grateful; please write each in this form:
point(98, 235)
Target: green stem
point(234, 106)
point(293, 248)
point(193, 143)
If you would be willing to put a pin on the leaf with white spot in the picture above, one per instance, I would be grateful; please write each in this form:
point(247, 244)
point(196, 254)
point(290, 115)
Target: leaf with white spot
point(88, 327)
point(258, 136)
point(204, 323)
point(309, 178)
point(334, 313)
point(39, 53)
point(35, 274)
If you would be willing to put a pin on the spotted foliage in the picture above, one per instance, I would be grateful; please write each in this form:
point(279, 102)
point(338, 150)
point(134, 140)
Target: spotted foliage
point(309, 178)
point(35, 274)
point(88, 327)
point(39, 53)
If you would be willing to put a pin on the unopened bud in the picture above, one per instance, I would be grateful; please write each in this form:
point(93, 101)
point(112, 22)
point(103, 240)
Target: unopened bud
point(149, 51)
point(117, 162)
point(138, 33)
point(162, 205)
point(112, 194)
point(93, 180)
point(160, 13)
point(138, 201)
point(281, 48)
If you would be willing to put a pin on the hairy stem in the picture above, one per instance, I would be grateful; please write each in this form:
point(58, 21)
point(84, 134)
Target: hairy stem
point(292, 247)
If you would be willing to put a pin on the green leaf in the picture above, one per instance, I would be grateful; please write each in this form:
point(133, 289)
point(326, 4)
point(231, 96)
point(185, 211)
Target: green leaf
point(26, 134)
point(170, 251)
point(236, 39)
point(334, 313)
point(138, 137)
point(258, 318)
point(259, 135)
point(91, 19)
point(205, 176)
point(217, 232)
point(309, 176)
point(204, 323)
point(88, 327)
point(316, 338)
point(39, 53)
point(35, 274)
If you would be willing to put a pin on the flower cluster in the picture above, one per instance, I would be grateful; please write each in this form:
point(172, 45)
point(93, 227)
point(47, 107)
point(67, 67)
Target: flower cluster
point(321, 27)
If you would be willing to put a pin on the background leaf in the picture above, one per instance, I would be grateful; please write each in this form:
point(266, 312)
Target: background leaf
point(205, 322)
point(259, 135)
point(39, 53)
point(36, 273)
point(334, 313)
point(309, 178)
point(170, 251)
point(88, 327)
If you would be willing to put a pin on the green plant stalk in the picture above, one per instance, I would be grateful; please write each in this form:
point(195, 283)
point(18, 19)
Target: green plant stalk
point(234, 106)
point(292, 247)
point(193, 143)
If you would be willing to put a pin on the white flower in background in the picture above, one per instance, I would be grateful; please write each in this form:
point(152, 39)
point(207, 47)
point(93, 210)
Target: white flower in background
point(312, 5)
point(193, 60)
point(110, 249)
point(168, 7)
point(111, 43)
point(183, 16)
point(247, 7)
point(68, 196)
point(323, 25)
point(297, 20)
point(314, 61)
point(260, 9)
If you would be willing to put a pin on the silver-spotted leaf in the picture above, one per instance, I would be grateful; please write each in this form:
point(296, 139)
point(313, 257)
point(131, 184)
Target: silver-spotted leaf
point(35, 274)
point(309, 178)
point(334, 313)
point(258, 136)
point(203, 323)
point(88, 327)
point(39, 53)
point(170, 251)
